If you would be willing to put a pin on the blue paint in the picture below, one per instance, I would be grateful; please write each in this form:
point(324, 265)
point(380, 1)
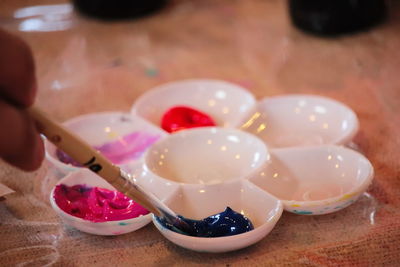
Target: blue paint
point(302, 212)
point(123, 224)
point(226, 223)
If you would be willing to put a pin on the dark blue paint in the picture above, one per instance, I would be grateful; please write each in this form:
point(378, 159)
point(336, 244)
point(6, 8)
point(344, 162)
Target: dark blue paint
point(226, 223)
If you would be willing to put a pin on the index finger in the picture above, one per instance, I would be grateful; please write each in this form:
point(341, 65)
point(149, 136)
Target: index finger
point(17, 70)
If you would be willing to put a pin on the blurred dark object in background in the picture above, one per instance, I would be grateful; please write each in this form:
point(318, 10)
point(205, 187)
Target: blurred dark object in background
point(118, 9)
point(335, 17)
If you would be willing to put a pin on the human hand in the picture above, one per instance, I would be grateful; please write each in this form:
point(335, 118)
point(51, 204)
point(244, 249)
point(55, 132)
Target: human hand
point(20, 142)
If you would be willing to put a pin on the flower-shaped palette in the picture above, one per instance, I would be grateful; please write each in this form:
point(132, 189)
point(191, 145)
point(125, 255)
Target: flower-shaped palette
point(279, 153)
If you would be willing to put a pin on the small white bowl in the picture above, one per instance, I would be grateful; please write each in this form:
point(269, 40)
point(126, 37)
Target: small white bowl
point(205, 156)
point(201, 201)
point(224, 102)
point(84, 176)
point(105, 127)
point(302, 120)
point(315, 180)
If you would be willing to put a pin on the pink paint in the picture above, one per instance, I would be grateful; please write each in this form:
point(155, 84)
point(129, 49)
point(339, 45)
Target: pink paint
point(129, 147)
point(124, 149)
point(96, 204)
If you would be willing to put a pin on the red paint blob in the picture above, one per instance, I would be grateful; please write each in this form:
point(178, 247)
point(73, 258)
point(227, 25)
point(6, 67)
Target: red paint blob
point(96, 204)
point(181, 117)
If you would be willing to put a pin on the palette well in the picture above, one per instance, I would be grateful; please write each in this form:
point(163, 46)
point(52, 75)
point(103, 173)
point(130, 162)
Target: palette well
point(315, 180)
point(121, 137)
point(200, 201)
point(206, 156)
point(281, 153)
point(224, 102)
point(301, 120)
point(116, 227)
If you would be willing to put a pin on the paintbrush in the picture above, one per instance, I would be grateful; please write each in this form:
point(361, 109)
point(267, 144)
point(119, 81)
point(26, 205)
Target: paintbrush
point(90, 158)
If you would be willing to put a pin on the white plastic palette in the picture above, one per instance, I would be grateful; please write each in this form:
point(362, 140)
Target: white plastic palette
point(280, 153)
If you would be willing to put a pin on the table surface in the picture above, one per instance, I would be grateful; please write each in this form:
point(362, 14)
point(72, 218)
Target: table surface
point(85, 65)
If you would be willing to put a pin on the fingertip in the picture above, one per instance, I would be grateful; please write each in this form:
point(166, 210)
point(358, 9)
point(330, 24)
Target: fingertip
point(20, 142)
point(40, 152)
point(31, 160)
point(37, 156)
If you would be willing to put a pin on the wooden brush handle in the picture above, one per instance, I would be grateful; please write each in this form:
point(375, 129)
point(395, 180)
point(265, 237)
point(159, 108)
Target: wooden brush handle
point(74, 146)
point(90, 158)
